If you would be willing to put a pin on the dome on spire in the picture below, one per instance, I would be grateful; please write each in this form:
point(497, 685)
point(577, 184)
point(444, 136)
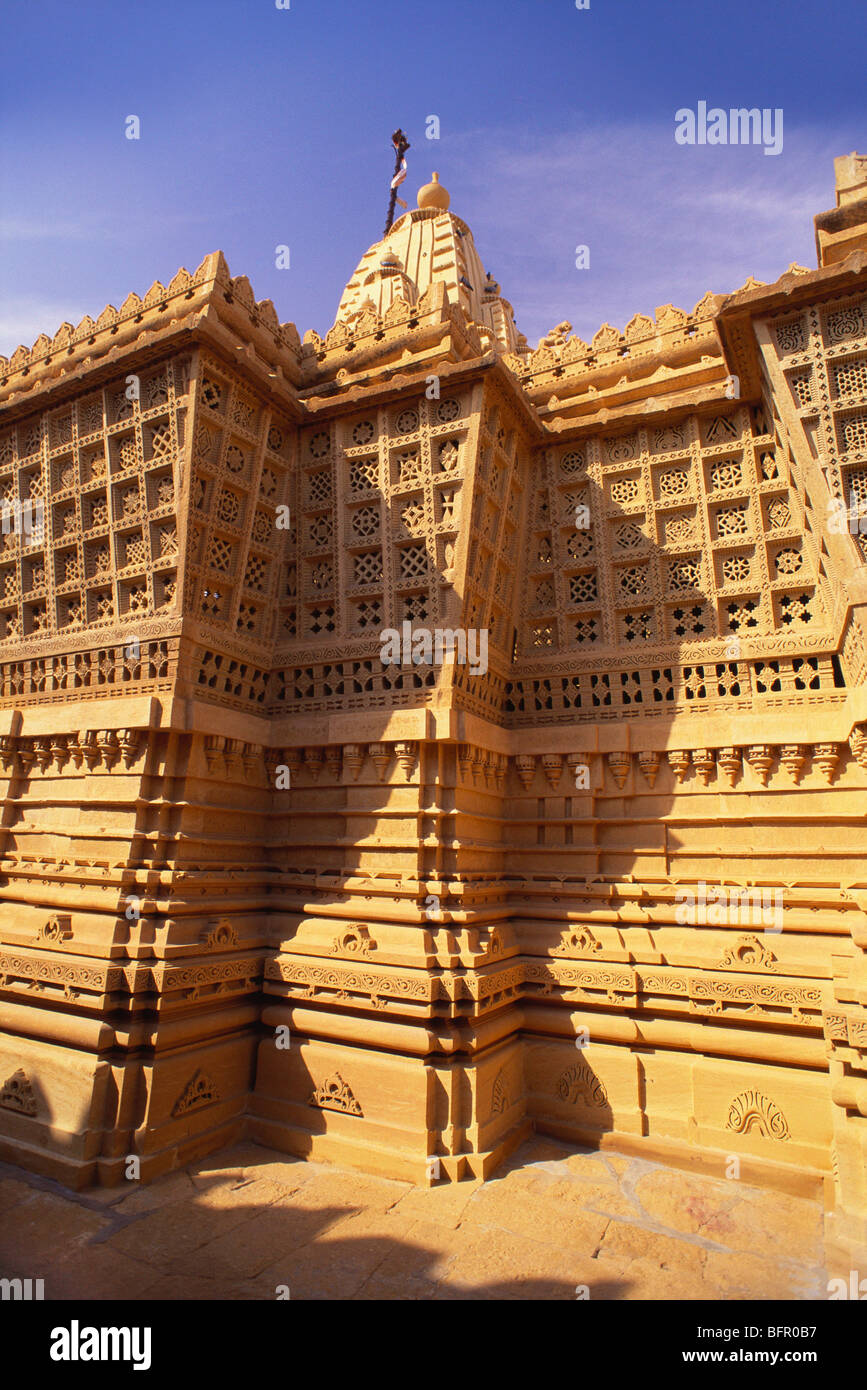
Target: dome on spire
point(433, 195)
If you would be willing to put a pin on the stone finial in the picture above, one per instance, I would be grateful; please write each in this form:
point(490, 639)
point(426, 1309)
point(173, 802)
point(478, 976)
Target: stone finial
point(649, 764)
point(42, 748)
point(314, 758)
point(858, 744)
point(7, 751)
point(380, 757)
point(490, 768)
point(618, 764)
point(704, 763)
point(678, 760)
point(353, 757)
point(214, 744)
point(294, 760)
point(27, 757)
point(552, 766)
point(433, 195)
point(574, 762)
point(525, 766)
point(761, 759)
point(478, 764)
point(59, 751)
point(502, 769)
point(130, 741)
point(792, 758)
point(730, 764)
point(825, 758)
point(249, 759)
point(109, 746)
point(407, 757)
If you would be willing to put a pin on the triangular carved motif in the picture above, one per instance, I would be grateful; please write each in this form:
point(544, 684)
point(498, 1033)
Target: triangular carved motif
point(581, 941)
point(749, 953)
point(221, 935)
point(579, 1084)
point(200, 1090)
point(17, 1094)
point(56, 929)
point(335, 1094)
point(356, 940)
point(752, 1110)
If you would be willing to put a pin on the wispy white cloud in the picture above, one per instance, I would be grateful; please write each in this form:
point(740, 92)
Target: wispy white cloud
point(22, 320)
point(664, 223)
point(44, 229)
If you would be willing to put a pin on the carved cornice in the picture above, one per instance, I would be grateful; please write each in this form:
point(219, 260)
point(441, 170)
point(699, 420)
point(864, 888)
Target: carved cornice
point(36, 972)
point(597, 981)
point(754, 300)
point(163, 311)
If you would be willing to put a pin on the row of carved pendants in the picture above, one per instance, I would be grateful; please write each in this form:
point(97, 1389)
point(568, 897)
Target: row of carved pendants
point(348, 756)
point(106, 747)
point(760, 757)
point(728, 762)
point(489, 768)
point(91, 747)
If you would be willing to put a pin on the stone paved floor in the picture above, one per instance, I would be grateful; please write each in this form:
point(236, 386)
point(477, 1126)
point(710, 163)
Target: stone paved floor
point(238, 1224)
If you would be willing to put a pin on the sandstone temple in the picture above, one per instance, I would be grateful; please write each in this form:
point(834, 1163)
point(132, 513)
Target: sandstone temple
point(608, 884)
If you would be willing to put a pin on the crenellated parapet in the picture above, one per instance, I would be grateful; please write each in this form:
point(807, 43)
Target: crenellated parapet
point(164, 312)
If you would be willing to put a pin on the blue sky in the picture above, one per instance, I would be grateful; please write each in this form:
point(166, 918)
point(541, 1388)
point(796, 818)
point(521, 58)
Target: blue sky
point(262, 127)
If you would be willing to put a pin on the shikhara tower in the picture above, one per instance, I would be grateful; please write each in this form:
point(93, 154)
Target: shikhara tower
point(465, 871)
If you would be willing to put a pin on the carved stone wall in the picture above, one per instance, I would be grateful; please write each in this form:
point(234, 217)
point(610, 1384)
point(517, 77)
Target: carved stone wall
point(611, 886)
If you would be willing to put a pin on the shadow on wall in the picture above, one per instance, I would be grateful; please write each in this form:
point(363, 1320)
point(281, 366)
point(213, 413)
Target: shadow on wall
point(666, 556)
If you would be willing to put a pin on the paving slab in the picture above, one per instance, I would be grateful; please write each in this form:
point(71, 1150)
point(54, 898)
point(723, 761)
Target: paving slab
point(555, 1223)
